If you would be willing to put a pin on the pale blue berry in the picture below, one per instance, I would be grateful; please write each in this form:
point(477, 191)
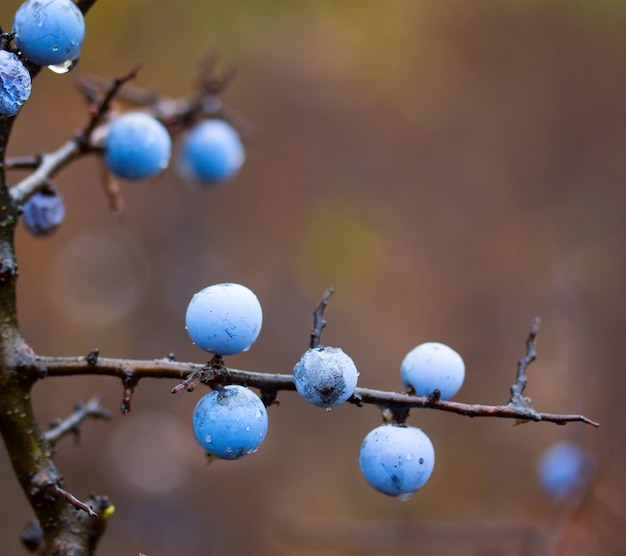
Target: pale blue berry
point(43, 212)
point(49, 32)
point(563, 468)
point(224, 319)
point(397, 459)
point(230, 422)
point(433, 366)
point(15, 84)
point(137, 146)
point(211, 152)
point(325, 376)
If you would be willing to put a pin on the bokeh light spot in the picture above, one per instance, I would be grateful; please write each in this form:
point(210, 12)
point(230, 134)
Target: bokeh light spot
point(338, 243)
point(150, 451)
point(97, 280)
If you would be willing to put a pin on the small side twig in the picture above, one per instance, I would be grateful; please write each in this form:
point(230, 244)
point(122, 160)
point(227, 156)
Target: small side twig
point(74, 501)
point(517, 389)
point(28, 162)
point(318, 318)
point(206, 374)
point(129, 381)
point(92, 409)
point(113, 193)
point(101, 108)
point(50, 164)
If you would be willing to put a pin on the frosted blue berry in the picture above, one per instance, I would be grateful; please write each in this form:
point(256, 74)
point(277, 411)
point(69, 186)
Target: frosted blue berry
point(44, 212)
point(433, 366)
point(230, 422)
point(325, 376)
point(563, 468)
point(49, 32)
point(15, 84)
point(224, 319)
point(397, 459)
point(137, 146)
point(211, 152)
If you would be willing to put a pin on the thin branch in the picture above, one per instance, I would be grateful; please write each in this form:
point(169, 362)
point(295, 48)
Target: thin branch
point(394, 400)
point(318, 318)
point(175, 113)
point(28, 162)
point(101, 108)
point(92, 409)
point(50, 164)
point(74, 501)
point(517, 389)
point(166, 368)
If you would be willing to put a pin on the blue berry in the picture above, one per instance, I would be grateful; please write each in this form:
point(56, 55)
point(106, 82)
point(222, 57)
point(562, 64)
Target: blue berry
point(49, 32)
point(563, 468)
point(230, 422)
point(325, 376)
point(137, 146)
point(212, 152)
point(397, 459)
point(433, 366)
point(44, 212)
point(15, 84)
point(224, 319)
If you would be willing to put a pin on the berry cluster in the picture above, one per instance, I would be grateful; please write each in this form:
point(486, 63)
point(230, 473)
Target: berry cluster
point(231, 421)
point(136, 145)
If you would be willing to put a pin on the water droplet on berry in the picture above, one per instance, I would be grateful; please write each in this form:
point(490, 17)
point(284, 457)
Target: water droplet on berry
point(63, 67)
point(405, 496)
point(248, 428)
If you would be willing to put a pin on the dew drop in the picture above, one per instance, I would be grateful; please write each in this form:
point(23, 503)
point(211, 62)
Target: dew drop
point(409, 456)
point(208, 439)
point(63, 67)
point(405, 496)
point(247, 428)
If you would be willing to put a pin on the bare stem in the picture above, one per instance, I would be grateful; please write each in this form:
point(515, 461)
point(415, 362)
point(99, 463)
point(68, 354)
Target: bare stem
point(50, 164)
point(517, 389)
point(75, 501)
point(166, 368)
point(318, 318)
point(92, 409)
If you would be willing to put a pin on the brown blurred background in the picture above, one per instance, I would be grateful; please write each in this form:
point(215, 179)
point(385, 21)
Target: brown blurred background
point(454, 168)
